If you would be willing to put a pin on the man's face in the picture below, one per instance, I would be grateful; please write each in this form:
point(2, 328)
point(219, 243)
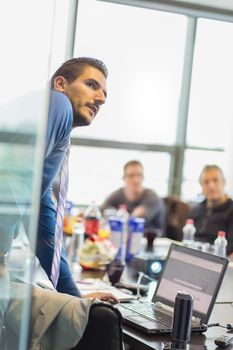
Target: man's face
point(133, 177)
point(86, 94)
point(212, 184)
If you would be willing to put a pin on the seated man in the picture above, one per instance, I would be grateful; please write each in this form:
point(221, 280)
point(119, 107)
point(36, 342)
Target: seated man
point(215, 213)
point(140, 201)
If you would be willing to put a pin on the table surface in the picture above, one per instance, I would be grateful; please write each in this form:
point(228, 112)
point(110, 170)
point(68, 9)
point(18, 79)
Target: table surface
point(222, 313)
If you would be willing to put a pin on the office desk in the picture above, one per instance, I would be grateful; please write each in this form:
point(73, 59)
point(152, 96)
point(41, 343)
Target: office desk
point(222, 313)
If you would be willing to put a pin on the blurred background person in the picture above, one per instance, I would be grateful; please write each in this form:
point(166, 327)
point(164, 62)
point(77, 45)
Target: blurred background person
point(215, 213)
point(140, 202)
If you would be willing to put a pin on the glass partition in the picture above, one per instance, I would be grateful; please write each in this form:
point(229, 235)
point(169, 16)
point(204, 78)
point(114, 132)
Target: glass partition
point(25, 52)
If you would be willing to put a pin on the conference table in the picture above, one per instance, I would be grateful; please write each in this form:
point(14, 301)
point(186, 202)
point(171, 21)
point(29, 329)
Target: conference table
point(222, 314)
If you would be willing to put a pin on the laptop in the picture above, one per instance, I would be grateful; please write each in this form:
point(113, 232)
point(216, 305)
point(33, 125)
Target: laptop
point(185, 269)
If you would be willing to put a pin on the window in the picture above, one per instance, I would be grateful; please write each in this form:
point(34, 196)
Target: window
point(96, 172)
point(194, 162)
point(145, 60)
point(144, 56)
point(210, 121)
point(210, 112)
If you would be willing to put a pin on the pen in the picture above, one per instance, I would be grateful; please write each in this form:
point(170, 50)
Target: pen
point(84, 282)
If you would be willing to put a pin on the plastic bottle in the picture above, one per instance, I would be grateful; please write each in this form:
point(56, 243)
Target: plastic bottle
point(105, 228)
point(78, 236)
point(220, 244)
point(189, 232)
point(123, 215)
point(116, 234)
point(92, 216)
point(135, 234)
point(78, 240)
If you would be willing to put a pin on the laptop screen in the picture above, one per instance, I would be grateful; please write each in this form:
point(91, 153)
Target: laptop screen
point(194, 272)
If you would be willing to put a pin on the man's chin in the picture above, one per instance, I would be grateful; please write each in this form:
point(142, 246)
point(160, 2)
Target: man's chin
point(214, 198)
point(81, 121)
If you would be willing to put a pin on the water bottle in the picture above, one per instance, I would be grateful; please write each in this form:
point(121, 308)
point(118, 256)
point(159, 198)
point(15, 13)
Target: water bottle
point(77, 242)
point(220, 244)
point(123, 215)
point(189, 232)
point(135, 234)
point(92, 217)
point(116, 234)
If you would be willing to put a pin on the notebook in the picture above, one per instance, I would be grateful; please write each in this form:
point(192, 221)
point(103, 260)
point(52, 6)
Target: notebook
point(185, 269)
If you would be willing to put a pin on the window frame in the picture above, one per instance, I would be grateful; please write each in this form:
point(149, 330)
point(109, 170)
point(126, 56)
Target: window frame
point(193, 12)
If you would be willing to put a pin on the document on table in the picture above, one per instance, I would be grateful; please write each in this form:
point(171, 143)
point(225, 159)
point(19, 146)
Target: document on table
point(90, 285)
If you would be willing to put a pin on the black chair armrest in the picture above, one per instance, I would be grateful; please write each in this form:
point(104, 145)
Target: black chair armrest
point(103, 330)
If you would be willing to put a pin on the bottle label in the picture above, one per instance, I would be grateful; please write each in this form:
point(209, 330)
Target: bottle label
point(116, 239)
point(135, 243)
point(136, 229)
point(116, 225)
point(91, 226)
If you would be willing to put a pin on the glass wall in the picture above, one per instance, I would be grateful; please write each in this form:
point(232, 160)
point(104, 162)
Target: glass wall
point(26, 29)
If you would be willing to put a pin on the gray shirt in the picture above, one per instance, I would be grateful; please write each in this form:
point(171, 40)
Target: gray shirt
point(154, 206)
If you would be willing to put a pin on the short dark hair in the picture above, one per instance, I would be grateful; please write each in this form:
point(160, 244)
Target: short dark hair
point(74, 67)
point(210, 167)
point(132, 162)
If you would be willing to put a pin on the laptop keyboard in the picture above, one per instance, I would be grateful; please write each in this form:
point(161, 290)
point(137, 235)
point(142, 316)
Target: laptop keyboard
point(150, 311)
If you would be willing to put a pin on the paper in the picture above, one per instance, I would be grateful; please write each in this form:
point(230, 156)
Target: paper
point(96, 285)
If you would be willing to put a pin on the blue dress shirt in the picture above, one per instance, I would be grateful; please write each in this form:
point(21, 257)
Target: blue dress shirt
point(60, 120)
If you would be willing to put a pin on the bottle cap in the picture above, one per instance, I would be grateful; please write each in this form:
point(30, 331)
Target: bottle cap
point(190, 221)
point(123, 206)
point(221, 234)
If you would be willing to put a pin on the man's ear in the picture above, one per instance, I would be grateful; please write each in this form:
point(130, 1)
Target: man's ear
point(59, 83)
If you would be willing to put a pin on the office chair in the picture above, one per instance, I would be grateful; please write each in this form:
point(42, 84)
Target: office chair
point(177, 213)
point(103, 330)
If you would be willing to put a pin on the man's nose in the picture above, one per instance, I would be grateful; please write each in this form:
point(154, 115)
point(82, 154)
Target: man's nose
point(211, 184)
point(100, 97)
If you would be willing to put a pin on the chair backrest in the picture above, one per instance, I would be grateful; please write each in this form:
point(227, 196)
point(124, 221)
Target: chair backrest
point(103, 330)
point(177, 213)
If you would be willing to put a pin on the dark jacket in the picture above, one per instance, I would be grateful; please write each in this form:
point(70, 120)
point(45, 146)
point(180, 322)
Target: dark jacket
point(208, 221)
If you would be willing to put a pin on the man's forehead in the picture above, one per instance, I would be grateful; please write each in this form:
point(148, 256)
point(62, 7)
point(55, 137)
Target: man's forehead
point(211, 174)
point(90, 72)
point(133, 169)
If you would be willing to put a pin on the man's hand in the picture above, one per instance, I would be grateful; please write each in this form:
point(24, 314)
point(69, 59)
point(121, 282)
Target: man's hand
point(102, 296)
point(139, 211)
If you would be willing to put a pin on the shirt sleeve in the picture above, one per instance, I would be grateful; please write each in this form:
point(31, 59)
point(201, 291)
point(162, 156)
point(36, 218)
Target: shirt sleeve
point(59, 126)
point(152, 203)
point(113, 200)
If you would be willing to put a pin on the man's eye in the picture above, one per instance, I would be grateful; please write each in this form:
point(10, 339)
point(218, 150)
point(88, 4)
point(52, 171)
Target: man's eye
point(91, 85)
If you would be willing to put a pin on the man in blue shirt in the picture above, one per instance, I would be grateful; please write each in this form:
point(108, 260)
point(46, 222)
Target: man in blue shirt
point(78, 91)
